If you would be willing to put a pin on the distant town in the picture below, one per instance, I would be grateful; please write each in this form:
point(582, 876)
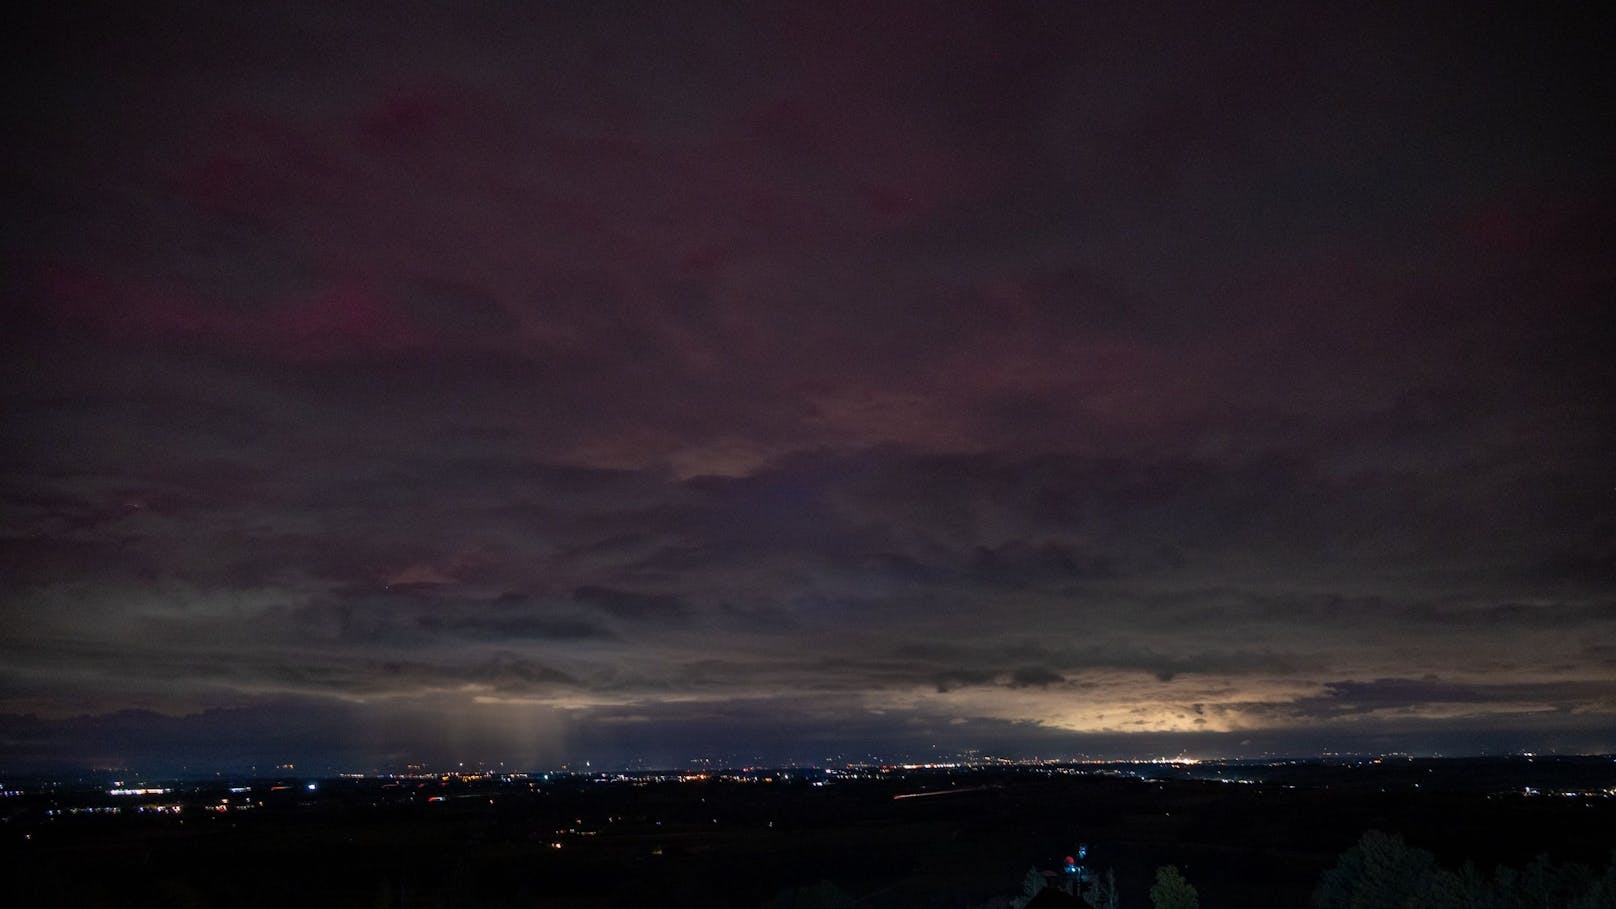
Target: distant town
point(29, 801)
point(984, 833)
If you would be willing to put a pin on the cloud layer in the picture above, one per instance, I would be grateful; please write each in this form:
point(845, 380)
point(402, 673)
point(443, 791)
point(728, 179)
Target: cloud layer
point(805, 381)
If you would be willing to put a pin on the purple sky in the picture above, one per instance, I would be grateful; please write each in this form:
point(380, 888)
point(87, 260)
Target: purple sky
point(623, 381)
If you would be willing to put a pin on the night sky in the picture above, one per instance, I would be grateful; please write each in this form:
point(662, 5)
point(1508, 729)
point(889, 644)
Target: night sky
point(657, 381)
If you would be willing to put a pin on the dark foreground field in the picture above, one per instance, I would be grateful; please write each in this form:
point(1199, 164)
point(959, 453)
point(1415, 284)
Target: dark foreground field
point(719, 843)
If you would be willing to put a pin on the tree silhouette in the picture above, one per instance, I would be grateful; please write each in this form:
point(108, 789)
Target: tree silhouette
point(1382, 870)
point(1103, 895)
point(1172, 891)
point(1030, 885)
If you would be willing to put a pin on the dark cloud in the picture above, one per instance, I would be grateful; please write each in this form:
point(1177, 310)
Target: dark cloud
point(625, 604)
point(1034, 676)
point(1435, 694)
point(1072, 373)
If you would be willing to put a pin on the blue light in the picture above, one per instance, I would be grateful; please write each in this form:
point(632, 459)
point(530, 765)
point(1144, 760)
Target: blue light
point(311, 787)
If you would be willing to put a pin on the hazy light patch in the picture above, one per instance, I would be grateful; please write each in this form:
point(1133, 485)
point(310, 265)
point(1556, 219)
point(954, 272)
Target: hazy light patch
point(1123, 702)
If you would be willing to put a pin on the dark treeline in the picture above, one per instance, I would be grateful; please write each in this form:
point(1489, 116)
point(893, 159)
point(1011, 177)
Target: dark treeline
point(1380, 872)
point(1383, 871)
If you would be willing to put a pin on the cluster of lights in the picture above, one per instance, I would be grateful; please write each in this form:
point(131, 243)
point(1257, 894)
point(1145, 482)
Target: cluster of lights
point(170, 808)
